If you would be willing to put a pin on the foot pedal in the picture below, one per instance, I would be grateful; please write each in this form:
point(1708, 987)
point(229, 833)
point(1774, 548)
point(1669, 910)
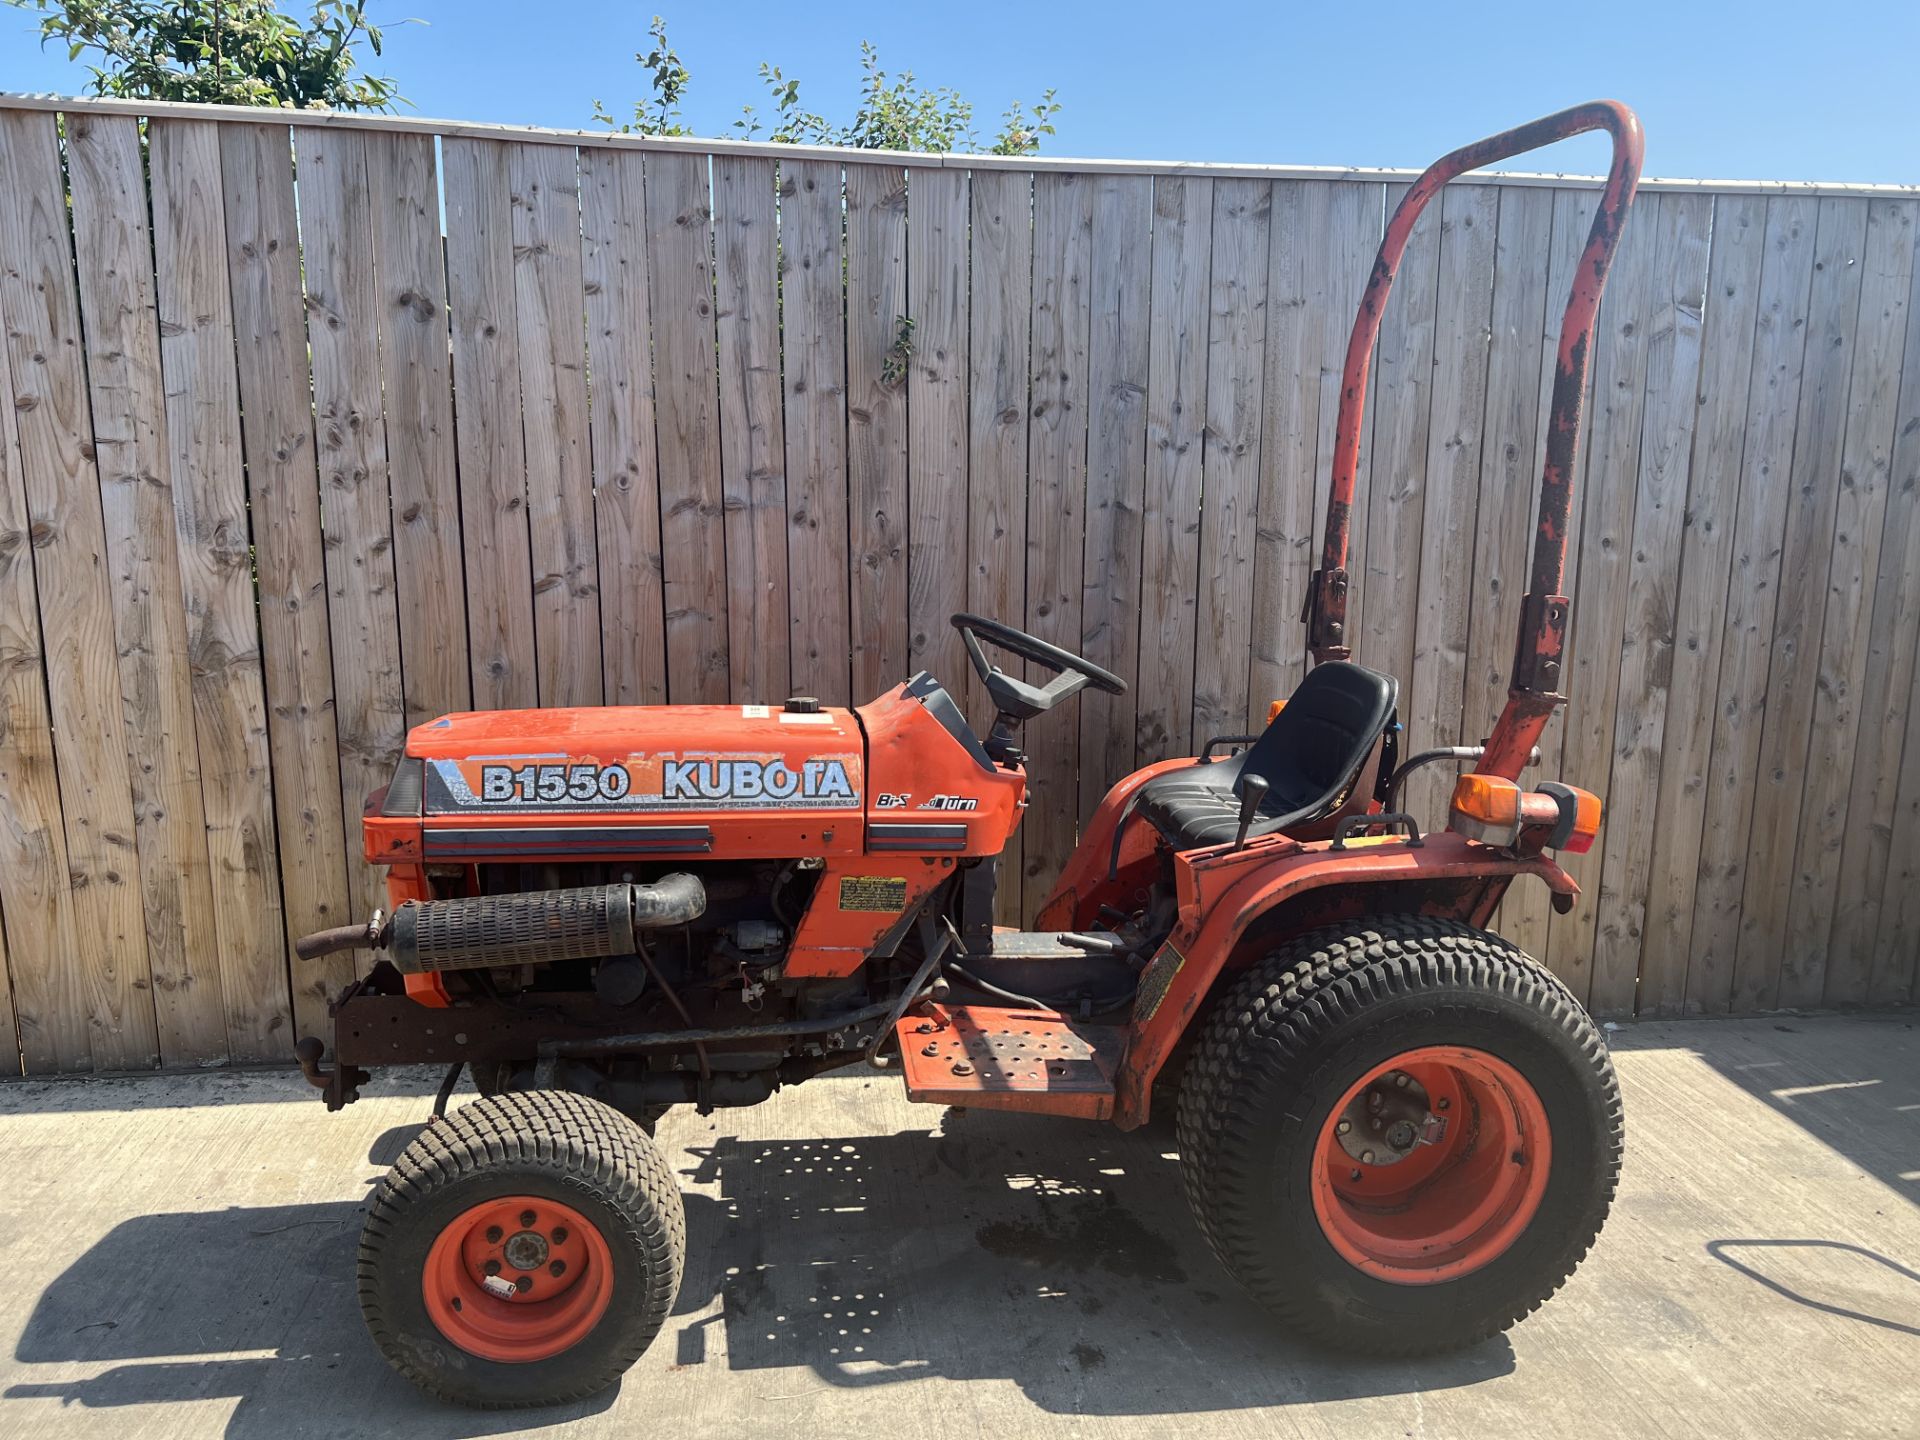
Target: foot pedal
point(993, 1059)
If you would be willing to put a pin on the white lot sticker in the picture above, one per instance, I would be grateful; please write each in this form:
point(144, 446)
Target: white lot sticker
point(755, 712)
point(796, 718)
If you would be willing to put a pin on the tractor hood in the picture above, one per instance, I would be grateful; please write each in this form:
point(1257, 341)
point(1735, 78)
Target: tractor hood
point(638, 759)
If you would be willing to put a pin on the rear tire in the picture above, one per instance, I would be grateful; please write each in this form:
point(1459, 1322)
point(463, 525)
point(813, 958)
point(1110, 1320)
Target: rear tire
point(1505, 1186)
point(601, 1237)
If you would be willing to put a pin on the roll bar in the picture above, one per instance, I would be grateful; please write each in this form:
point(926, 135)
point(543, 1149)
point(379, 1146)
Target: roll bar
point(1535, 688)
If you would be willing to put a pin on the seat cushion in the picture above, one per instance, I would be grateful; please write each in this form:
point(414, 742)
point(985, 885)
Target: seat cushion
point(1309, 756)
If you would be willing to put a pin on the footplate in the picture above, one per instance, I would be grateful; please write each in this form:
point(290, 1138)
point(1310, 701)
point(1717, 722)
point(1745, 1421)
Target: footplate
point(1032, 1060)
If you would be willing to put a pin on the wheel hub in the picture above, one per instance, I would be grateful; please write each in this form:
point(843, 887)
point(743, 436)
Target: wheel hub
point(1388, 1120)
point(526, 1250)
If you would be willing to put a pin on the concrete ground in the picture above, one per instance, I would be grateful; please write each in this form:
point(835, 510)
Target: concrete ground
point(178, 1259)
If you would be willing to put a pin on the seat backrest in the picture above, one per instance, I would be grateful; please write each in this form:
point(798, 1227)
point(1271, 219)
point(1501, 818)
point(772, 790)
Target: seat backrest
point(1317, 743)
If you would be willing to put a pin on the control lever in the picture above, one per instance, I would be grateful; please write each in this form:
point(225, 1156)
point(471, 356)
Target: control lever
point(1253, 790)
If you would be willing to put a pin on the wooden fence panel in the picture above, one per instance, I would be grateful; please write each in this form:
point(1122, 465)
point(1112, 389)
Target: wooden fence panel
point(1389, 567)
point(1620, 358)
point(40, 993)
point(96, 998)
point(878, 357)
point(277, 431)
point(1806, 550)
point(1056, 505)
point(1871, 900)
point(208, 478)
point(1524, 913)
point(1646, 641)
point(550, 308)
point(753, 460)
point(814, 327)
point(1773, 396)
point(1503, 544)
point(277, 480)
point(1176, 447)
point(1707, 543)
point(415, 371)
point(356, 507)
point(937, 386)
point(1434, 690)
point(692, 544)
point(118, 312)
point(1116, 476)
point(1230, 465)
point(1844, 648)
point(1000, 282)
point(491, 445)
point(626, 478)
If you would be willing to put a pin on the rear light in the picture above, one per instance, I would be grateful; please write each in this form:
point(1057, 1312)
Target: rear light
point(1493, 810)
point(1579, 818)
point(1273, 710)
point(1485, 808)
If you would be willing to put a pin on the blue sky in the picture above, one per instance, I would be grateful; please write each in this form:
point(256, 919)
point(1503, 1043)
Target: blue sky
point(1764, 89)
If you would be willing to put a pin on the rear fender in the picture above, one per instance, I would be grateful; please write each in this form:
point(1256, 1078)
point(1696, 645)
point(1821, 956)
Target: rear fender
point(1238, 904)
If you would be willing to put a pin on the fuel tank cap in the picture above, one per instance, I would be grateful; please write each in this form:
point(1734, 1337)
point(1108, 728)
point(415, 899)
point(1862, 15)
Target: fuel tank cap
point(802, 705)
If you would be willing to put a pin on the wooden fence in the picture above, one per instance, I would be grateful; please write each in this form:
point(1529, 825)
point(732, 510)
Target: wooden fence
point(319, 430)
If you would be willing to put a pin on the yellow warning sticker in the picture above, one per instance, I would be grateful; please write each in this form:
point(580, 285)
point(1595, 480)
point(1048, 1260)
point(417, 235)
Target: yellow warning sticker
point(886, 893)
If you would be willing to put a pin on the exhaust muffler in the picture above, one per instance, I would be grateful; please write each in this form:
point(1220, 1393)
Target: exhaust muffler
point(539, 927)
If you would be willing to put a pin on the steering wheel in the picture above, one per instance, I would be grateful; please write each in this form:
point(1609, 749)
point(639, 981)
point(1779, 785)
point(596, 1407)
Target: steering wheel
point(1015, 698)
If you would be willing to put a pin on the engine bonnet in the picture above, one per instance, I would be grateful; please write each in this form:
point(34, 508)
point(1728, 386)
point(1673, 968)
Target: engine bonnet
point(638, 760)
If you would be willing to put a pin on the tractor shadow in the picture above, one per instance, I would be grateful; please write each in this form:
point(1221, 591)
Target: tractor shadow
point(1060, 1257)
point(254, 1305)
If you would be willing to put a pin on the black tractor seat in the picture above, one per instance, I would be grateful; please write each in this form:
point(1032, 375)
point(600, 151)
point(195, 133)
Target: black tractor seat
point(1311, 754)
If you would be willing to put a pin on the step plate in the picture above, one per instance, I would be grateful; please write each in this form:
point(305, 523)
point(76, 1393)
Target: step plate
point(1032, 1060)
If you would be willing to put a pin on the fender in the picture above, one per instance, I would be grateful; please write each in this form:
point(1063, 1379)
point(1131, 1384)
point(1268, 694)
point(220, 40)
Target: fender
point(1227, 893)
point(1083, 885)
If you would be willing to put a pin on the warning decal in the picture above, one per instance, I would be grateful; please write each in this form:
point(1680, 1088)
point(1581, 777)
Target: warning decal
point(1155, 982)
point(885, 893)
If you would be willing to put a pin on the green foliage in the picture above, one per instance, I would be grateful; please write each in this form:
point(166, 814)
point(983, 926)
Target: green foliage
point(895, 112)
point(893, 364)
point(659, 115)
point(222, 52)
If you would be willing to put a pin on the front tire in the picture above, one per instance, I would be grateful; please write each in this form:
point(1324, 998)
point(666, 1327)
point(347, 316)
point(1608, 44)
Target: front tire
point(524, 1250)
point(1400, 1138)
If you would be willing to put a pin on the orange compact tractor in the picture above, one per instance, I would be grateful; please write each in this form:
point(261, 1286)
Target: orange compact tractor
point(1399, 1133)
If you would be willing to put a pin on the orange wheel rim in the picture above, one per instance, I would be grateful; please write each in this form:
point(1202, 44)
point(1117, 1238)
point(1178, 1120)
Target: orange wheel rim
point(518, 1279)
point(1431, 1165)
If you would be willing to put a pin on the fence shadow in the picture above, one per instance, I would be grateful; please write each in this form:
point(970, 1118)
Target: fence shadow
point(1750, 1258)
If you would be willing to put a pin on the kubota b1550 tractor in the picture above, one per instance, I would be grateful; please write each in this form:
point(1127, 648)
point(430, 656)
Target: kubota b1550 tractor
point(1398, 1132)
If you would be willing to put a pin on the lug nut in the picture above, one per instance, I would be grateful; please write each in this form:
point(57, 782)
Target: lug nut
point(1443, 1104)
point(1343, 1127)
point(1401, 1081)
point(559, 1234)
point(1355, 1175)
point(492, 1267)
point(524, 1284)
point(526, 1219)
point(557, 1269)
point(494, 1232)
point(1366, 1157)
